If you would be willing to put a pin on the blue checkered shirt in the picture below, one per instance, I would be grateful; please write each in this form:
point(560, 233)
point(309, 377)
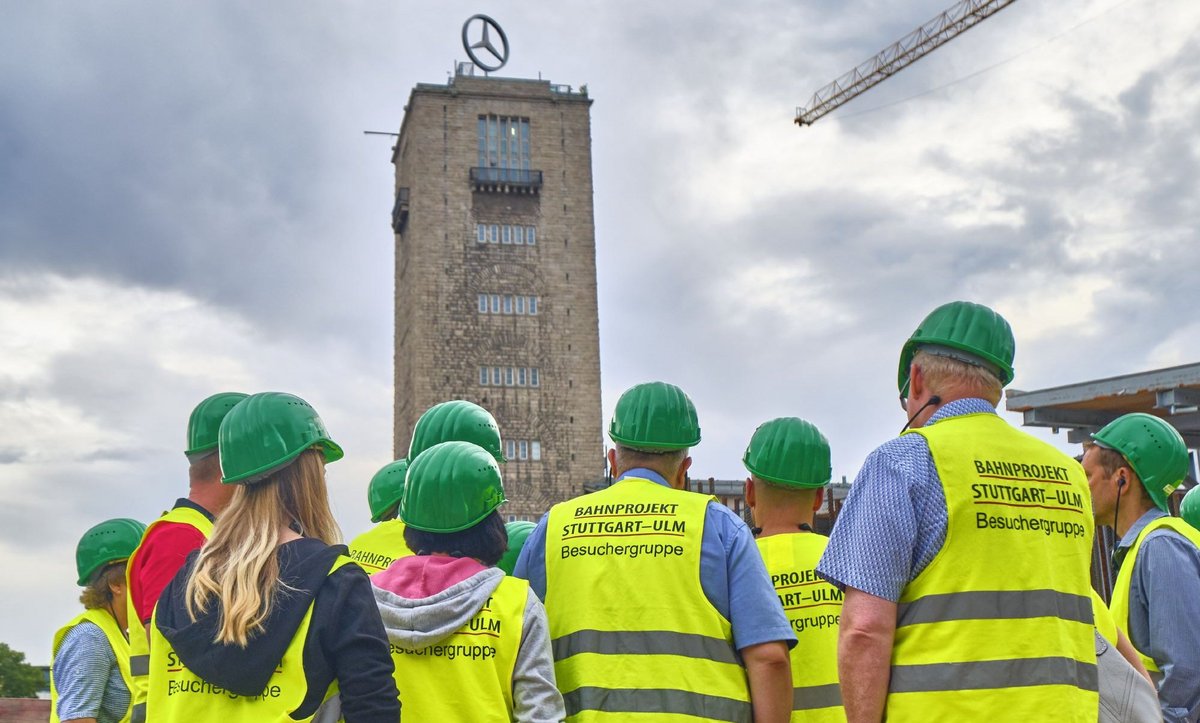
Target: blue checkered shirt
point(894, 520)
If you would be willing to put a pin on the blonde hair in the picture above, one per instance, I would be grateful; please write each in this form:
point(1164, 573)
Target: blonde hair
point(98, 593)
point(238, 565)
point(944, 375)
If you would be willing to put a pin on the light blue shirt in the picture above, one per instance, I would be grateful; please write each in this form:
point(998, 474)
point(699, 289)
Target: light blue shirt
point(1164, 613)
point(732, 573)
point(894, 519)
point(87, 678)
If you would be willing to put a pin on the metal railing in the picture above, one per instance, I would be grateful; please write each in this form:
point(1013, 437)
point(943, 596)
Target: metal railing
point(519, 178)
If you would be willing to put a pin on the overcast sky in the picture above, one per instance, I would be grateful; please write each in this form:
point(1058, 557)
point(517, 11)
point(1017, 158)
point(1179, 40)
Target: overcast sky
point(188, 205)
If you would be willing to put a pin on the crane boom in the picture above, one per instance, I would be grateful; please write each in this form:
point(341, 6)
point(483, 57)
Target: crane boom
point(948, 25)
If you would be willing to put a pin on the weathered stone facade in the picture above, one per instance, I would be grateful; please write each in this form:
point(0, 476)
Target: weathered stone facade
point(443, 339)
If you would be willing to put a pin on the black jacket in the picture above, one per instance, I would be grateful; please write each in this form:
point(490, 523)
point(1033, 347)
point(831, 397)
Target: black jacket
point(346, 640)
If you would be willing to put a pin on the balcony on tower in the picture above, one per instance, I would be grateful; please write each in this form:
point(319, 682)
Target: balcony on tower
point(505, 180)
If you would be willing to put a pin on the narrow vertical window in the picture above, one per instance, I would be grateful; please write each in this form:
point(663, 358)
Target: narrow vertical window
point(520, 376)
point(531, 235)
point(483, 376)
point(483, 303)
point(535, 451)
point(496, 381)
point(480, 233)
point(505, 236)
point(508, 377)
point(533, 377)
point(495, 303)
point(518, 235)
point(510, 449)
point(523, 446)
point(493, 234)
point(520, 305)
point(483, 161)
point(533, 306)
point(508, 306)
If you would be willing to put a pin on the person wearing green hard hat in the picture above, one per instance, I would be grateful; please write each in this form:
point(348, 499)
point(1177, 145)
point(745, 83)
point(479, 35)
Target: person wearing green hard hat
point(384, 543)
point(964, 545)
point(789, 464)
point(271, 618)
point(639, 578)
point(468, 642)
point(89, 669)
point(518, 533)
point(1133, 464)
point(179, 531)
point(1189, 509)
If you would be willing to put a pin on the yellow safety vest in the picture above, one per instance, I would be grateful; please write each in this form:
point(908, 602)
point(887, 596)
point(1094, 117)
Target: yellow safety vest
point(116, 638)
point(999, 626)
point(139, 646)
point(1105, 623)
point(631, 629)
point(814, 609)
point(378, 547)
point(477, 663)
point(177, 695)
point(1120, 596)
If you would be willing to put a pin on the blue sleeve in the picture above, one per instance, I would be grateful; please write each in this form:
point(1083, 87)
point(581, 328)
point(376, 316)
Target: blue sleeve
point(892, 524)
point(1165, 597)
point(736, 582)
point(531, 564)
point(81, 670)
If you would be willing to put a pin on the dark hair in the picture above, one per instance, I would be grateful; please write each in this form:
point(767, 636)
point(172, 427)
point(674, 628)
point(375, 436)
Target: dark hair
point(485, 542)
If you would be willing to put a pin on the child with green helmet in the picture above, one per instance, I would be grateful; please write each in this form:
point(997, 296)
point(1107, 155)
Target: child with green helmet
point(89, 672)
point(455, 622)
point(379, 546)
point(271, 618)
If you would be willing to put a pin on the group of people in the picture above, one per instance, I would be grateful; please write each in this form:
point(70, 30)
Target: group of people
point(955, 584)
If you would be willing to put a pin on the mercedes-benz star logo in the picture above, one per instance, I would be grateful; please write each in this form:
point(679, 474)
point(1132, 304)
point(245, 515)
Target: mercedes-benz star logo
point(484, 44)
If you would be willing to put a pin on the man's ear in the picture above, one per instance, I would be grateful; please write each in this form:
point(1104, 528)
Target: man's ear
point(818, 498)
point(748, 492)
point(612, 463)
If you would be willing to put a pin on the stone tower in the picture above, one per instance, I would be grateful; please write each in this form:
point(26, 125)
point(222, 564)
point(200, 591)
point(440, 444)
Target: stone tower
point(496, 275)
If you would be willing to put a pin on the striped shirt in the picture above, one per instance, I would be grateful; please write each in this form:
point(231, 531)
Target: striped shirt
point(87, 678)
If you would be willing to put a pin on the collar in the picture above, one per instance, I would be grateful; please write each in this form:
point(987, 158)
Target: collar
point(1136, 529)
point(643, 473)
point(962, 407)
point(185, 502)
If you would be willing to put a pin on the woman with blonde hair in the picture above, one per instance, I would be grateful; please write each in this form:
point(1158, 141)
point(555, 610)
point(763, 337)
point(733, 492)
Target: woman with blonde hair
point(270, 618)
point(89, 672)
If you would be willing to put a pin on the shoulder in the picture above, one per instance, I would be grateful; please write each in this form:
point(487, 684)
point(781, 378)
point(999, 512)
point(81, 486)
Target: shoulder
point(172, 535)
point(1166, 543)
point(724, 521)
point(86, 641)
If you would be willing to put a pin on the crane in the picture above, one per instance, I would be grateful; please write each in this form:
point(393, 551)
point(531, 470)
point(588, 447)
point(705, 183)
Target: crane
point(948, 25)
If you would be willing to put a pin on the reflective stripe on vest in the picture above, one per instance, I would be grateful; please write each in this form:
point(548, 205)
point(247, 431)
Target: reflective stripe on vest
point(139, 646)
point(116, 639)
point(177, 695)
point(814, 609)
point(1120, 596)
point(999, 625)
point(644, 639)
point(477, 662)
point(380, 546)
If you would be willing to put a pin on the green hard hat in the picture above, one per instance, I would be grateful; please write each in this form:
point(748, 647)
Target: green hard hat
point(791, 452)
point(1189, 509)
point(518, 533)
point(451, 487)
point(972, 333)
point(108, 542)
point(206, 420)
point(1153, 448)
point(265, 432)
point(655, 416)
point(457, 420)
point(386, 488)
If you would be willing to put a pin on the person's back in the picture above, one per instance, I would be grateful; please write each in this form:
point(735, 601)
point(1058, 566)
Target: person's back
point(264, 624)
point(788, 460)
point(469, 643)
